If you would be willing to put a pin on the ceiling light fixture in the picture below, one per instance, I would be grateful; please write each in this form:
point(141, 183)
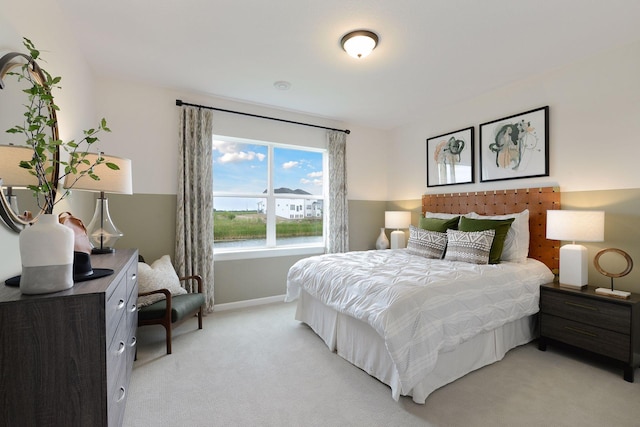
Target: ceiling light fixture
point(359, 43)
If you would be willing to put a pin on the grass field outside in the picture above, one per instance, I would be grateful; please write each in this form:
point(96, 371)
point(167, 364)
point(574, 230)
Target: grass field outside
point(244, 225)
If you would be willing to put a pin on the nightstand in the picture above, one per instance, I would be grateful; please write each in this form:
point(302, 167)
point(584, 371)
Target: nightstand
point(596, 323)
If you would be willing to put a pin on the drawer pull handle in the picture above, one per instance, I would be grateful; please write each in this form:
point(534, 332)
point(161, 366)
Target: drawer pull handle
point(134, 341)
point(133, 276)
point(586, 307)
point(581, 331)
point(123, 393)
point(120, 304)
point(134, 307)
point(121, 348)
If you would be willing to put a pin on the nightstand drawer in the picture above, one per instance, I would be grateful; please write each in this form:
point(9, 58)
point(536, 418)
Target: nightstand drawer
point(602, 314)
point(588, 337)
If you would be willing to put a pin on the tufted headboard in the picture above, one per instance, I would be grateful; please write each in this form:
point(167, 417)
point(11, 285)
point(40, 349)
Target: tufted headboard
point(500, 202)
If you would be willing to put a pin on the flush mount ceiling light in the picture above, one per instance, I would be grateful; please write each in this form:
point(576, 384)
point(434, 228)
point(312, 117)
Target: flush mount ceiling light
point(282, 85)
point(359, 43)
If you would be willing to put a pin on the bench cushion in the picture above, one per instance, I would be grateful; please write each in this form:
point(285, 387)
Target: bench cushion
point(181, 305)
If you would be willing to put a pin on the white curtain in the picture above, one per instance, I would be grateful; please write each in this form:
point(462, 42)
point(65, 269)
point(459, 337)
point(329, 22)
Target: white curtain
point(194, 214)
point(338, 239)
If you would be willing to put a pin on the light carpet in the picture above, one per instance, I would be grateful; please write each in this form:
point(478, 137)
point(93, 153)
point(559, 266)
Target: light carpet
point(260, 367)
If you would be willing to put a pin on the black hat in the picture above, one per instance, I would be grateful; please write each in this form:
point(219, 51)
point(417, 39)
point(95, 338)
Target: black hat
point(82, 270)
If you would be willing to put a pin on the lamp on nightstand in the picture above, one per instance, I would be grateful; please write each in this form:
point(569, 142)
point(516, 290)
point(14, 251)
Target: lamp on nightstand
point(582, 226)
point(398, 220)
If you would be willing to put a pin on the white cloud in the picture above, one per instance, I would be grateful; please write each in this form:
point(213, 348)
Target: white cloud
point(315, 174)
point(291, 164)
point(231, 153)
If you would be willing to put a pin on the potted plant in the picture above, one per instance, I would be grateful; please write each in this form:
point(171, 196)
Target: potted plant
point(46, 248)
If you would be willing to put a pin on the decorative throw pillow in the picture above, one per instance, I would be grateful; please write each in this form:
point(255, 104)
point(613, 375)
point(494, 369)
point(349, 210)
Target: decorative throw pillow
point(500, 226)
point(439, 224)
point(159, 275)
point(469, 246)
point(429, 244)
point(516, 244)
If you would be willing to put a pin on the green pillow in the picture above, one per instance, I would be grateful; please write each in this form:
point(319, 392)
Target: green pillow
point(439, 225)
point(500, 225)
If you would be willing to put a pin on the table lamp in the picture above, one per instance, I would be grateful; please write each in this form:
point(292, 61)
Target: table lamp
point(13, 176)
point(101, 230)
point(398, 220)
point(582, 226)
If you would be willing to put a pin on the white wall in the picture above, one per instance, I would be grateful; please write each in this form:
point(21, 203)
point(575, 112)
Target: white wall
point(594, 112)
point(144, 124)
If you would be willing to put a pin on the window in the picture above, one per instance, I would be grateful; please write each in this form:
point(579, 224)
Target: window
point(267, 195)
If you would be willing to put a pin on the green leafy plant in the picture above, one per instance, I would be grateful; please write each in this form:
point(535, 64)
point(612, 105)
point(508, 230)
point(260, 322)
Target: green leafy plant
point(39, 117)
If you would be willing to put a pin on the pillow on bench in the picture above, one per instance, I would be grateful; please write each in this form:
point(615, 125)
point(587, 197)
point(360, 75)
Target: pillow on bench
point(159, 275)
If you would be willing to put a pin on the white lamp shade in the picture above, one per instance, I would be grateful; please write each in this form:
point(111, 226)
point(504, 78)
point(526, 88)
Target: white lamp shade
point(575, 226)
point(397, 219)
point(10, 171)
point(111, 181)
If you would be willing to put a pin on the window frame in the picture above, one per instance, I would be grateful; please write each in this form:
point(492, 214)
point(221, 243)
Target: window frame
point(271, 249)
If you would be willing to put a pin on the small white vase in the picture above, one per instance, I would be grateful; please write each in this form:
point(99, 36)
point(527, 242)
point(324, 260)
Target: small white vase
point(382, 242)
point(46, 253)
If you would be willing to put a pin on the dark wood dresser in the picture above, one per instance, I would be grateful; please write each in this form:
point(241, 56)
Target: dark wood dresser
point(66, 357)
point(600, 324)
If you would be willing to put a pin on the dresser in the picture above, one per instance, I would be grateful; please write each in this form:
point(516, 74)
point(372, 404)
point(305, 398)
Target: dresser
point(600, 324)
point(66, 357)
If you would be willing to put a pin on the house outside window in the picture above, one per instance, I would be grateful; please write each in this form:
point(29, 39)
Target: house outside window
point(267, 195)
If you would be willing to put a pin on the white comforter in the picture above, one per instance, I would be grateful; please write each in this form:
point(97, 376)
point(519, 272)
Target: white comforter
point(420, 307)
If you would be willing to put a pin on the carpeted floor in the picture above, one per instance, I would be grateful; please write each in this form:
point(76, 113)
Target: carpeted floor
point(260, 367)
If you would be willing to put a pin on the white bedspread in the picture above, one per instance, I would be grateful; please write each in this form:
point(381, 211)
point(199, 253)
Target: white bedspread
point(420, 306)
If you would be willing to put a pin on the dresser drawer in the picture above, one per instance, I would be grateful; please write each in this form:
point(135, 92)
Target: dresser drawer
point(597, 340)
point(602, 314)
point(115, 309)
point(132, 278)
point(117, 356)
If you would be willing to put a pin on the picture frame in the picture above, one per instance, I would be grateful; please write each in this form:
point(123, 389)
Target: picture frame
point(515, 147)
point(450, 158)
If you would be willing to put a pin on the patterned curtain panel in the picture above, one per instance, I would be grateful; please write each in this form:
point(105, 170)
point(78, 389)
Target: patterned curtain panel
point(338, 239)
point(194, 216)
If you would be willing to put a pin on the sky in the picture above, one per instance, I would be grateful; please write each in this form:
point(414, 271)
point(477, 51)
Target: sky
point(243, 168)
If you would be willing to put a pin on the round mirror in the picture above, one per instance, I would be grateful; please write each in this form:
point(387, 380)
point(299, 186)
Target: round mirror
point(18, 207)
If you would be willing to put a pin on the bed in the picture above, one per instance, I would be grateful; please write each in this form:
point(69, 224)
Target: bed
point(417, 323)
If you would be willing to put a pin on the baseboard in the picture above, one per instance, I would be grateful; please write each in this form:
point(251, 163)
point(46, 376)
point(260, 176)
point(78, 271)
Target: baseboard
point(248, 303)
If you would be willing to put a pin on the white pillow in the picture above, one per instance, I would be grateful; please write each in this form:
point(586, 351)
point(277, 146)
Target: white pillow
point(516, 244)
point(440, 215)
point(159, 275)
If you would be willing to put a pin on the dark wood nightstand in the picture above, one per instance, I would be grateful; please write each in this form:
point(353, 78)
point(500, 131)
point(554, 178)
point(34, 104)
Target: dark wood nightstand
point(596, 323)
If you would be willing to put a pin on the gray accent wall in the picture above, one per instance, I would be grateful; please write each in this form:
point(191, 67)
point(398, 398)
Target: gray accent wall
point(148, 223)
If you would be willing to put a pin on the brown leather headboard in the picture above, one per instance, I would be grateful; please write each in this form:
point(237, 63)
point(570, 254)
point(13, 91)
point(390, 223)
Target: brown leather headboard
point(500, 202)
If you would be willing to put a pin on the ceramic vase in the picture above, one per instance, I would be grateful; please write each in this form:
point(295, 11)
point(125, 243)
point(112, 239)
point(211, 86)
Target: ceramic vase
point(382, 242)
point(46, 253)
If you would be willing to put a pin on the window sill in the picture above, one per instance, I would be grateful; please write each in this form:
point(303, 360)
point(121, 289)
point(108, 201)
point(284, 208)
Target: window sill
point(230, 255)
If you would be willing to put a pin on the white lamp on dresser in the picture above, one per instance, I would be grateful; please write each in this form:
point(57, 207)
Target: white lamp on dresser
point(399, 220)
point(581, 226)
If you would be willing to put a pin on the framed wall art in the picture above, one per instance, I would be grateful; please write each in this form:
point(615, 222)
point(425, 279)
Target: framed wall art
point(515, 147)
point(450, 158)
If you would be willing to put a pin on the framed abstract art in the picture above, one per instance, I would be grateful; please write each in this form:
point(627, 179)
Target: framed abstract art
point(515, 147)
point(450, 158)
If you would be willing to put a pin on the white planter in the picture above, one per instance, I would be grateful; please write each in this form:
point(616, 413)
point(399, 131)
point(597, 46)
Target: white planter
point(46, 252)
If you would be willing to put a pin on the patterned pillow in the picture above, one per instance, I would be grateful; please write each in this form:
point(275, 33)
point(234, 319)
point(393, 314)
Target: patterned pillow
point(469, 246)
point(429, 244)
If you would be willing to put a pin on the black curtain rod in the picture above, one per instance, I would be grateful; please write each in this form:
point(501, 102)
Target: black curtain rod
point(179, 103)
